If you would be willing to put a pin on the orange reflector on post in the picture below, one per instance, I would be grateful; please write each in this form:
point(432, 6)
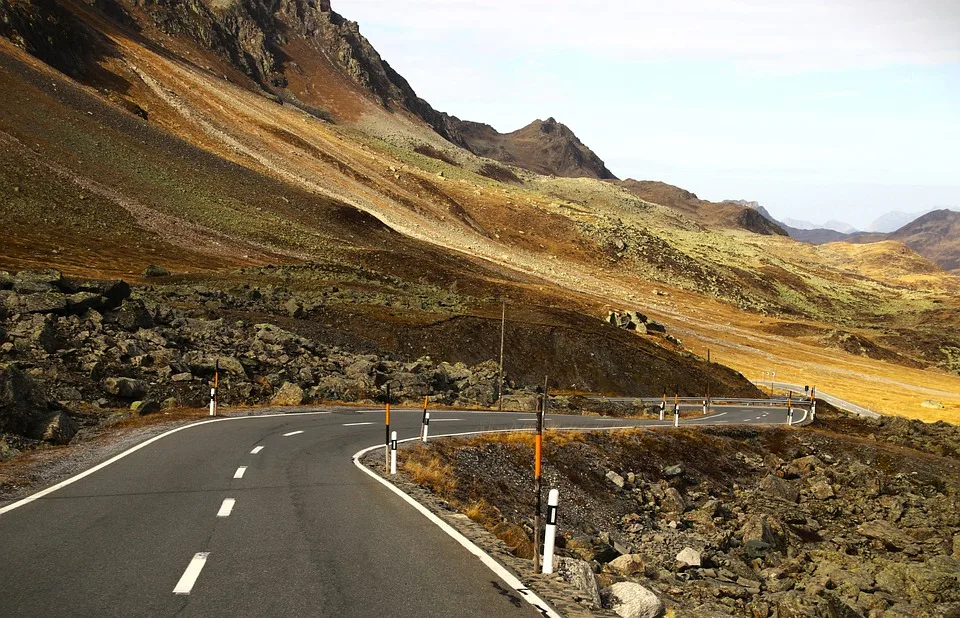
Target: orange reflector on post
point(538, 444)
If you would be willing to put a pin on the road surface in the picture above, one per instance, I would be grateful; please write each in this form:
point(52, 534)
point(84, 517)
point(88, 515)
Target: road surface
point(261, 516)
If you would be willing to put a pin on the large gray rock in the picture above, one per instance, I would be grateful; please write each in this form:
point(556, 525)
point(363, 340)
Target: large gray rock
point(631, 600)
point(521, 402)
point(887, 533)
point(767, 530)
point(133, 315)
point(113, 292)
point(689, 557)
point(21, 403)
point(6, 280)
point(579, 574)
point(33, 281)
point(127, 388)
point(673, 502)
point(55, 427)
point(288, 394)
point(206, 364)
point(776, 487)
point(627, 564)
point(43, 302)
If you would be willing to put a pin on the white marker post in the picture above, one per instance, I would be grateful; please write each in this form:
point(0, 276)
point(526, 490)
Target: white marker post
point(426, 426)
point(393, 453)
point(704, 407)
point(213, 402)
point(676, 415)
point(663, 406)
point(550, 536)
point(789, 416)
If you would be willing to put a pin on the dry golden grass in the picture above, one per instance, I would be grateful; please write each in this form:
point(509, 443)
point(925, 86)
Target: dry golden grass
point(427, 470)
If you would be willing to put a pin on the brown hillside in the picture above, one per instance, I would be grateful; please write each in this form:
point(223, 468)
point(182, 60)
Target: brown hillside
point(150, 137)
point(722, 214)
point(936, 236)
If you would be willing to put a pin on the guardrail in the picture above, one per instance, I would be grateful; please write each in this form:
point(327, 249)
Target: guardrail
point(833, 400)
point(796, 402)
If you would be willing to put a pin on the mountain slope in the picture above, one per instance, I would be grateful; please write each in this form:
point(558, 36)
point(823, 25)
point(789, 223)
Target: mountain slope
point(730, 214)
point(164, 151)
point(935, 235)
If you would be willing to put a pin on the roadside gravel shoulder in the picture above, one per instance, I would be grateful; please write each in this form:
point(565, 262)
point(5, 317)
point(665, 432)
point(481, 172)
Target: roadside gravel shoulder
point(564, 598)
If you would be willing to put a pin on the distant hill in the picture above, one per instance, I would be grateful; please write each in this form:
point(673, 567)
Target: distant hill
point(722, 214)
point(894, 220)
point(936, 236)
point(543, 146)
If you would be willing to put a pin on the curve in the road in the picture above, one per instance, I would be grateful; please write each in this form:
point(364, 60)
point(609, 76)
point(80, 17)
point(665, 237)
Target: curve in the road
point(296, 532)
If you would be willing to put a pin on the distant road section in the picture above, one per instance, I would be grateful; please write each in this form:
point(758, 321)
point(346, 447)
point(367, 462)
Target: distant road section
point(832, 400)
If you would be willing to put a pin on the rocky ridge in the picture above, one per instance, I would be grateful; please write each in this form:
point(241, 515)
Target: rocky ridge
point(72, 350)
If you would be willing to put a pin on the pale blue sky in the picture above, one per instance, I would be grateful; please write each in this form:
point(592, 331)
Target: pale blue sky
point(818, 110)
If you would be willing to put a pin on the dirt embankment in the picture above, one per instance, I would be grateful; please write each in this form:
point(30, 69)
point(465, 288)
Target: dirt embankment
point(848, 518)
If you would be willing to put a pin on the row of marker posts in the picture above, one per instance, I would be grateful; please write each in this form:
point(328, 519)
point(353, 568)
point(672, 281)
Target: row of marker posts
point(553, 499)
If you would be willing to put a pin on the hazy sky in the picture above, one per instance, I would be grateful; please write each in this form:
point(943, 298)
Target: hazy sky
point(819, 110)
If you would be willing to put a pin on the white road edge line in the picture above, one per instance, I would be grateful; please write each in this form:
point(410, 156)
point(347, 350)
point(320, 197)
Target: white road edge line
point(256, 450)
point(444, 420)
point(239, 473)
point(133, 449)
point(226, 508)
point(357, 424)
point(508, 578)
point(292, 433)
point(189, 577)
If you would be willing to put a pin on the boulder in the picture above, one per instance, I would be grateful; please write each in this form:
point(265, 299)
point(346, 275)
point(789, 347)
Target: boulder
point(205, 364)
point(155, 271)
point(81, 302)
point(521, 402)
point(766, 529)
point(615, 478)
point(35, 332)
point(55, 427)
point(288, 394)
point(820, 489)
point(776, 487)
point(673, 502)
point(126, 388)
point(133, 315)
point(579, 574)
point(21, 403)
point(6, 280)
point(43, 302)
point(887, 533)
point(672, 471)
point(631, 600)
point(689, 557)
point(112, 292)
point(145, 407)
point(627, 564)
point(808, 464)
point(38, 280)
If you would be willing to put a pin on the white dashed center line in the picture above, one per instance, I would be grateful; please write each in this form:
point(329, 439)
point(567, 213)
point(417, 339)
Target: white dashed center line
point(356, 424)
point(239, 473)
point(444, 420)
point(292, 433)
point(256, 450)
point(226, 508)
point(189, 577)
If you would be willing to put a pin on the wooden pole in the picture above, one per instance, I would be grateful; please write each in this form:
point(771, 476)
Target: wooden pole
point(386, 463)
point(538, 478)
point(503, 330)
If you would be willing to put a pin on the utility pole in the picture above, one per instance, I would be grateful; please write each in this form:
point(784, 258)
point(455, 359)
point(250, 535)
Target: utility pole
point(503, 329)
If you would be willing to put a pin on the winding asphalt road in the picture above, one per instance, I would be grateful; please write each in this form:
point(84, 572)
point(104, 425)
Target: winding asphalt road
point(308, 533)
